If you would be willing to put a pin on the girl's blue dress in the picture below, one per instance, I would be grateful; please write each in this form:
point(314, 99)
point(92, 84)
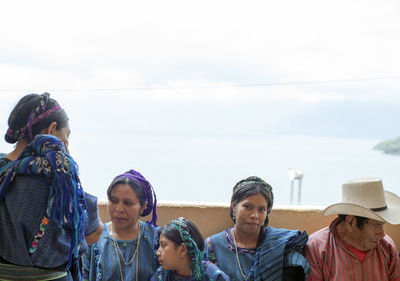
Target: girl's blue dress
point(279, 249)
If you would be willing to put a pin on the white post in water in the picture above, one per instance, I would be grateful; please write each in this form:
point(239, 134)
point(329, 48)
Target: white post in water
point(295, 174)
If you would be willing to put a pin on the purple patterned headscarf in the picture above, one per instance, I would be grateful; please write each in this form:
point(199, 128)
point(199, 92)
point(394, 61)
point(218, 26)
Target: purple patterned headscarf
point(148, 191)
point(37, 114)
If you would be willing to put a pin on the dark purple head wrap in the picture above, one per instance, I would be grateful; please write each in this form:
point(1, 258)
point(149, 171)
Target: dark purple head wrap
point(148, 191)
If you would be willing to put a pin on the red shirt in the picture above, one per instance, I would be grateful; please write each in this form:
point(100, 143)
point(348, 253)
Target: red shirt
point(360, 254)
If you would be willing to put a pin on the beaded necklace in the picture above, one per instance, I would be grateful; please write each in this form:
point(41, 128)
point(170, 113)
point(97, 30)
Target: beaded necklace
point(120, 252)
point(237, 256)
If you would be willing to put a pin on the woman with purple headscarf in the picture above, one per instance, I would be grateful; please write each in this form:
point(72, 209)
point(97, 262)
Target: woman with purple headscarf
point(126, 249)
point(46, 218)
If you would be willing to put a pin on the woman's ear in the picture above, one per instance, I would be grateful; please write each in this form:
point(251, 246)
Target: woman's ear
point(233, 206)
point(50, 130)
point(183, 250)
point(143, 208)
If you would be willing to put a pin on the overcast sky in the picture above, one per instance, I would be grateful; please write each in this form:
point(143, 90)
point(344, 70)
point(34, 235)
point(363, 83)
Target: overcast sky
point(86, 45)
point(166, 58)
point(195, 67)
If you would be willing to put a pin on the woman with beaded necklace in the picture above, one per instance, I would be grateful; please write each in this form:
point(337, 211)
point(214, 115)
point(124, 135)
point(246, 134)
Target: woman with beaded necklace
point(45, 217)
point(126, 249)
point(250, 251)
point(181, 257)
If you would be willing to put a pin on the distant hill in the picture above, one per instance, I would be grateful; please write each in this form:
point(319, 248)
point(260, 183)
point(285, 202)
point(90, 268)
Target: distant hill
point(390, 146)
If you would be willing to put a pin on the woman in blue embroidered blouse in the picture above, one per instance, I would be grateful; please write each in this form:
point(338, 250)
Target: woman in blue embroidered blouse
point(180, 255)
point(44, 214)
point(126, 249)
point(248, 250)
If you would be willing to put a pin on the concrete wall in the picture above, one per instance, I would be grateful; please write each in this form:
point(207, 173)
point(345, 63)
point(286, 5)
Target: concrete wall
point(212, 218)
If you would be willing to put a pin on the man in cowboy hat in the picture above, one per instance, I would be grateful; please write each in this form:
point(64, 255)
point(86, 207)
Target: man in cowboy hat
point(355, 246)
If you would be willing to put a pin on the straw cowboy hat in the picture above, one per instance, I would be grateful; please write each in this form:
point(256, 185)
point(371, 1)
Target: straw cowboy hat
point(366, 198)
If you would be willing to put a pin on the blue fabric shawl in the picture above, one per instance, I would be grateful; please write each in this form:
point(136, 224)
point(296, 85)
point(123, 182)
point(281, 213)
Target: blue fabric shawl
point(46, 156)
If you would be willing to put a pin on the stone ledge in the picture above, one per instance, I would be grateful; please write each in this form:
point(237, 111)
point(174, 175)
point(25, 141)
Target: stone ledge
point(214, 217)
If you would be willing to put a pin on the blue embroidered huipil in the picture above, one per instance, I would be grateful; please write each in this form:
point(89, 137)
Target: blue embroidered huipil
point(21, 212)
point(100, 261)
point(279, 248)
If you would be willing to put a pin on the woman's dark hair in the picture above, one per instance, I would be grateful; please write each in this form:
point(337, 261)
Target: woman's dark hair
point(21, 113)
point(360, 221)
point(172, 234)
point(251, 186)
point(134, 185)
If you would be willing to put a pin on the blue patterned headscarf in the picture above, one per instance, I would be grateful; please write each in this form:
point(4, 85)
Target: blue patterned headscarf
point(249, 186)
point(193, 250)
point(46, 156)
point(150, 195)
point(256, 180)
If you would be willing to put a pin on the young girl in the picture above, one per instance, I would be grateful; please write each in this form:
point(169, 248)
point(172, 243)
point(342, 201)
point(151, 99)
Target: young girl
point(250, 250)
point(180, 255)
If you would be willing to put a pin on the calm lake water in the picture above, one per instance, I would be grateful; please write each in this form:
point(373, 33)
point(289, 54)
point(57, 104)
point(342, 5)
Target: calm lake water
point(205, 168)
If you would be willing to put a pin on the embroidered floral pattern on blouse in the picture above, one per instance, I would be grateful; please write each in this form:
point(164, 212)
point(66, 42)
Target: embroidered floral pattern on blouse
point(240, 249)
point(39, 235)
